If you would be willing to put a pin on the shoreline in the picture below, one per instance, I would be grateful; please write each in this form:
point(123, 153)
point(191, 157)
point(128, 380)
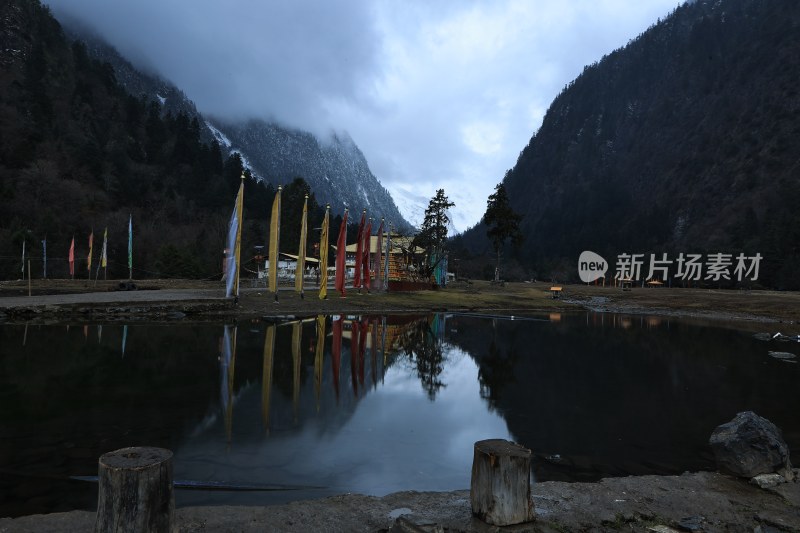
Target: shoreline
point(170, 300)
point(702, 501)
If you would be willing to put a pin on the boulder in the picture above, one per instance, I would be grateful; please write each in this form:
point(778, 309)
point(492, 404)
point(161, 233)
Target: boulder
point(750, 445)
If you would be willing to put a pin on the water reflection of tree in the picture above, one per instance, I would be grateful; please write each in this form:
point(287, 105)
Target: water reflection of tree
point(495, 372)
point(423, 348)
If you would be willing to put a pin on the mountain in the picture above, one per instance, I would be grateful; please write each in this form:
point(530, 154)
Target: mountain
point(335, 168)
point(687, 140)
point(79, 154)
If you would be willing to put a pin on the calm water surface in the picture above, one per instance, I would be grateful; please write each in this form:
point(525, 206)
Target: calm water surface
point(260, 413)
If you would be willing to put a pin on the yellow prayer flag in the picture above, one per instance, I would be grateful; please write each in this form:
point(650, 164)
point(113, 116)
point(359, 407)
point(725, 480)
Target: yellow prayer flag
point(323, 255)
point(274, 236)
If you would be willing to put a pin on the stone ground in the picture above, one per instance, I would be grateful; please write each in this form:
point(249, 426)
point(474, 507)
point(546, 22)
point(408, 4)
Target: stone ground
point(702, 501)
point(691, 502)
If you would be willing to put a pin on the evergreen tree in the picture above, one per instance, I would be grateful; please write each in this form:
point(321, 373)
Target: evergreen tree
point(433, 233)
point(502, 223)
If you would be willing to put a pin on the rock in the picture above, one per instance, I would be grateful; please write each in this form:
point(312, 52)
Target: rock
point(750, 445)
point(691, 523)
point(762, 336)
point(766, 481)
point(782, 355)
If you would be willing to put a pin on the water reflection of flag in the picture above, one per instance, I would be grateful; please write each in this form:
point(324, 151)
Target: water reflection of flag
point(362, 350)
point(323, 255)
point(124, 338)
point(320, 354)
point(266, 374)
point(301, 253)
point(227, 367)
point(374, 353)
point(359, 250)
point(274, 241)
point(297, 335)
point(355, 344)
point(336, 353)
point(341, 256)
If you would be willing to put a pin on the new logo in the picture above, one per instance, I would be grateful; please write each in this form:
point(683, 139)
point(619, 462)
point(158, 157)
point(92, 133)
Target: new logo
point(591, 266)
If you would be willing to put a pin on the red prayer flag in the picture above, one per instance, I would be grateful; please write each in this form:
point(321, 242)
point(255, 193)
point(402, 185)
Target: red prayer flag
point(341, 256)
point(359, 250)
point(72, 257)
point(367, 249)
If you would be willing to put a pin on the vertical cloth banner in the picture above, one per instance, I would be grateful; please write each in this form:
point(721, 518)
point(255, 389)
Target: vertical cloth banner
point(323, 255)
point(234, 244)
point(130, 246)
point(22, 269)
point(359, 250)
point(366, 250)
point(274, 244)
point(44, 257)
point(89, 257)
point(301, 253)
point(378, 261)
point(104, 253)
point(72, 258)
point(341, 256)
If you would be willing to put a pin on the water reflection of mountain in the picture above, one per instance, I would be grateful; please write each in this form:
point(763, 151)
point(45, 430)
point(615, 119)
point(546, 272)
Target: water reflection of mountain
point(600, 395)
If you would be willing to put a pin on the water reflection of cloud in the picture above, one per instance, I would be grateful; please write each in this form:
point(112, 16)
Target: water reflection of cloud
point(401, 440)
point(394, 438)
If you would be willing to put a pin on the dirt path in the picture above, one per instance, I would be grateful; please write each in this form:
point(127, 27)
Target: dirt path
point(171, 299)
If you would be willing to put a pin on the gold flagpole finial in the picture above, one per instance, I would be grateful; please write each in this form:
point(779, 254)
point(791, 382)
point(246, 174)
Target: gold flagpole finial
point(280, 187)
point(242, 176)
point(306, 196)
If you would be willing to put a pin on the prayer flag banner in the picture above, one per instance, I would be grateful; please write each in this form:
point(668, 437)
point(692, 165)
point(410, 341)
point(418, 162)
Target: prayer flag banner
point(89, 257)
point(323, 255)
point(366, 250)
point(104, 253)
point(274, 244)
point(72, 258)
point(130, 246)
point(234, 241)
point(341, 256)
point(301, 254)
point(359, 250)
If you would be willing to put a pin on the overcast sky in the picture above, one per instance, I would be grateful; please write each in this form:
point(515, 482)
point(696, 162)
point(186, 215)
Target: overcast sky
point(437, 94)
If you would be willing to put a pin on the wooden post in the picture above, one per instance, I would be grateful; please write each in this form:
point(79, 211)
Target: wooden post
point(500, 491)
point(135, 491)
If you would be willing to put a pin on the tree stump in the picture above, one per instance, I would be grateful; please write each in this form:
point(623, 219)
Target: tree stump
point(500, 491)
point(135, 491)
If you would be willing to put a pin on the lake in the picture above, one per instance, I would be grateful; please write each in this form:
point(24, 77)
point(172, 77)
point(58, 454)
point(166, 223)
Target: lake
point(260, 412)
